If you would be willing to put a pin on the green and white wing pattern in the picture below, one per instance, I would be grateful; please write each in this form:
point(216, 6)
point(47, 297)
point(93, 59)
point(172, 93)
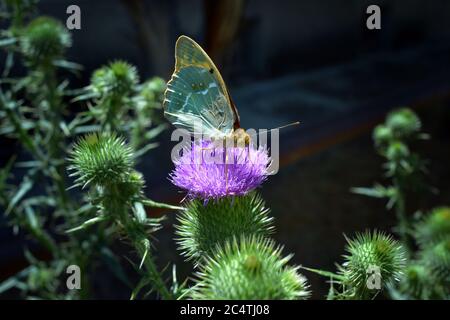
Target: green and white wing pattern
point(193, 97)
point(196, 93)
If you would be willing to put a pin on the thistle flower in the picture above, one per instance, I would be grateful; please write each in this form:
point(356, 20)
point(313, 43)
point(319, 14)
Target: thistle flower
point(202, 227)
point(368, 253)
point(211, 172)
point(249, 269)
point(101, 159)
point(43, 40)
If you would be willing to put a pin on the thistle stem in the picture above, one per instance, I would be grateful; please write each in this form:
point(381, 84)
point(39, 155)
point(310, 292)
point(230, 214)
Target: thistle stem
point(155, 275)
point(137, 235)
point(400, 210)
point(154, 204)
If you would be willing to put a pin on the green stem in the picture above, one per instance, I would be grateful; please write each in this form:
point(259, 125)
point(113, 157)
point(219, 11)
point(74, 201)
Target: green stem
point(24, 137)
point(151, 268)
point(137, 235)
point(55, 149)
point(324, 273)
point(400, 211)
point(154, 204)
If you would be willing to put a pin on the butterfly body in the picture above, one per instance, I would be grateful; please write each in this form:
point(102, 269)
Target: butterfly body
point(197, 99)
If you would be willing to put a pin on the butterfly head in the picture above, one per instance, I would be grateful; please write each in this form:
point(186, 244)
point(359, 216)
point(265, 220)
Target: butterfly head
point(241, 137)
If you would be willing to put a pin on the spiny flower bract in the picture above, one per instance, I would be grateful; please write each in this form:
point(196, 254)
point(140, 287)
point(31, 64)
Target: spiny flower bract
point(117, 79)
point(201, 227)
point(249, 268)
point(43, 40)
point(436, 258)
point(416, 281)
point(382, 135)
point(404, 123)
point(101, 159)
point(433, 227)
point(366, 253)
point(208, 171)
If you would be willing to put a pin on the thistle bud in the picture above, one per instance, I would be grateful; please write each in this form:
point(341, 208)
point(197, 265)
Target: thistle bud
point(249, 269)
point(404, 123)
point(372, 255)
point(150, 96)
point(436, 258)
point(202, 227)
point(101, 160)
point(416, 281)
point(434, 227)
point(382, 135)
point(44, 40)
point(397, 151)
point(118, 79)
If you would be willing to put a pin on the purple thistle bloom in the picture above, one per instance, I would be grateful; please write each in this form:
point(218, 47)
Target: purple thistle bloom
point(210, 172)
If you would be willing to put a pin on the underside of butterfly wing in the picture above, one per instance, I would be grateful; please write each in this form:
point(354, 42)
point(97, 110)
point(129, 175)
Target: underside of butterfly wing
point(196, 93)
point(193, 99)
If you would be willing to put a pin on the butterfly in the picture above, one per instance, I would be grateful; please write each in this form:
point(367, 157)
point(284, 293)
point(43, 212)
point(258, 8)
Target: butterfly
point(197, 95)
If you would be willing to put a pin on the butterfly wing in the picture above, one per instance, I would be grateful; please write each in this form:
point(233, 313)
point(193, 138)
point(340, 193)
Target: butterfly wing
point(196, 93)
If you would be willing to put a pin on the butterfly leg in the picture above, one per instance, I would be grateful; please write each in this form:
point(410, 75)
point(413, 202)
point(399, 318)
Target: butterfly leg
point(226, 172)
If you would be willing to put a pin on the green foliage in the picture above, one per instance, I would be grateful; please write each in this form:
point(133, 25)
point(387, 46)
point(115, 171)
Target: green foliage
point(428, 276)
point(432, 233)
point(427, 240)
point(203, 226)
point(105, 163)
point(121, 105)
point(366, 252)
point(71, 229)
point(404, 167)
point(249, 268)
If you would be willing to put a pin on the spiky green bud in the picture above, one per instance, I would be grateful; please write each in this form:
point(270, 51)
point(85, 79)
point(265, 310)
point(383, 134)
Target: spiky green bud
point(153, 89)
point(404, 123)
point(434, 227)
point(201, 227)
point(151, 94)
point(249, 269)
point(371, 256)
point(417, 281)
point(44, 40)
point(41, 277)
point(436, 257)
point(131, 186)
point(382, 135)
point(101, 159)
point(117, 79)
point(397, 151)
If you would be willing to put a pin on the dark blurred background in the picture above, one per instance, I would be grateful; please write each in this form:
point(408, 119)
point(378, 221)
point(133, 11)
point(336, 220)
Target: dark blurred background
point(309, 60)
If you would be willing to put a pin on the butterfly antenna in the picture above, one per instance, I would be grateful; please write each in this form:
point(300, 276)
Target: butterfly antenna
point(282, 127)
